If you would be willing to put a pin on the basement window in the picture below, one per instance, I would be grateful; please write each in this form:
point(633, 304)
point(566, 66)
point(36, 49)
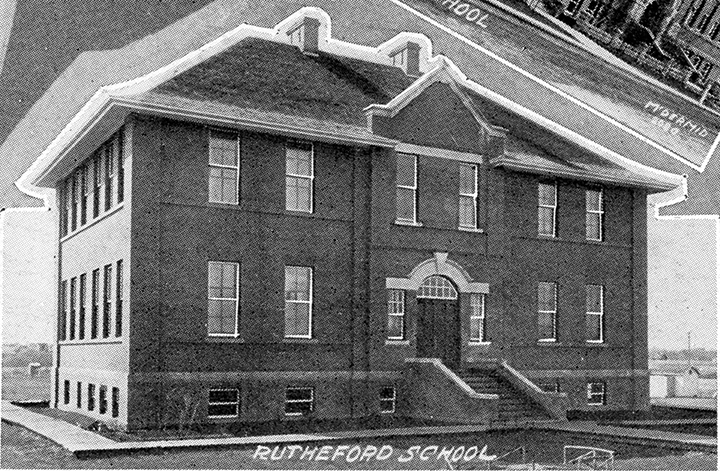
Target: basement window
point(103, 399)
point(299, 401)
point(115, 402)
point(223, 403)
point(596, 394)
point(66, 392)
point(387, 400)
point(91, 397)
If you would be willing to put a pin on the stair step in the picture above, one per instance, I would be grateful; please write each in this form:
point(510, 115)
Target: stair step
point(514, 406)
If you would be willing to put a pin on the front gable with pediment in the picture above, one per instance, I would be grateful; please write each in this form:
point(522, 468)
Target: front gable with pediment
point(435, 118)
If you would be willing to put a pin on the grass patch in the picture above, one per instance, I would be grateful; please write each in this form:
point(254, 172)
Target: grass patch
point(17, 385)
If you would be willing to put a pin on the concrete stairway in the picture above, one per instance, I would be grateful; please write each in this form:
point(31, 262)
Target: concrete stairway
point(515, 406)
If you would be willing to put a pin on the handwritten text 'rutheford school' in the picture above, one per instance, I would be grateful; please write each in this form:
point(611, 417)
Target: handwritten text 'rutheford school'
point(368, 453)
point(465, 10)
point(672, 122)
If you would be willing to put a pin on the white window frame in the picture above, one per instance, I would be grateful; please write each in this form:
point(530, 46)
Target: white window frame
point(413, 187)
point(310, 178)
point(399, 58)
point(474, 196)
point(553, 312)
point(222, 166)
point(575, 8)
point(297, 35)
point(236, 299)
point(399, 303)
point(311, 401)
point(392, 400)
point(481, 316)
point(591, 395)
point(437, 287)
point(600, 314)
point(236, 404)
point(553, 207)
point(309, 302)
point(599, 213)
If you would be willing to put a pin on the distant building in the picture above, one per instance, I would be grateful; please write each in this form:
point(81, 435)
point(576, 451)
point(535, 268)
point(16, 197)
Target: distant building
point(696, 26)
point(697, 29)
point(672, 379)
point(283, 226)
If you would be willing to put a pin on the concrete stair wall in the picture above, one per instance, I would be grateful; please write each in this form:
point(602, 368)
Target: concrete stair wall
point(514, 406)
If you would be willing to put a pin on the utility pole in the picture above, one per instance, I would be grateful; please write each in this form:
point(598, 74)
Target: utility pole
point(688, 351)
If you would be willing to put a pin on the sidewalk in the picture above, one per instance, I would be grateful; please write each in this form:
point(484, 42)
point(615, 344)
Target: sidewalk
point(67, 435)
point(81, 442)
point(696, 403)
point(700, 442)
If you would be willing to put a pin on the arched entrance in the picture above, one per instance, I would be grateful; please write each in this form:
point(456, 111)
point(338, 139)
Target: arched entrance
point(438, 328)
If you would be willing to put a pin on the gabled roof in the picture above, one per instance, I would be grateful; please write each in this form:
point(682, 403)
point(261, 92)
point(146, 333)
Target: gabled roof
point(276, 77)
point(251, 77)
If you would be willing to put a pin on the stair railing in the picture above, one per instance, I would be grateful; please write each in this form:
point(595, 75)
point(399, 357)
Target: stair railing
point(599, 457)
point(521, 449)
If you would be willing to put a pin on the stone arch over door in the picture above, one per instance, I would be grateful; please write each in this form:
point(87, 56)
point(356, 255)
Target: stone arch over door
point(440, 264)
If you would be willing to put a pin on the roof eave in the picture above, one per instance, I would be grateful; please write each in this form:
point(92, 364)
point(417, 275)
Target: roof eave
point(188, 114)
point(651, 185)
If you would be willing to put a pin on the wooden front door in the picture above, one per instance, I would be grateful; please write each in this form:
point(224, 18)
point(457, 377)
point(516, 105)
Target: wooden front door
point(438, 328)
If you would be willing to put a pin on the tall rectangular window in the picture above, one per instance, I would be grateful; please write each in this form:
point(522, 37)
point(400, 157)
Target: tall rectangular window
point(103, 402)
point(406, 188)
point(63, 310)
point(78, 396)
point(298, 302)
point(73, 306)
point(594, 215)
point(94, 314)
point(547, 312)
point(547, 209)
point(74, 189)
point(109, 152)
point(84, 194)
point(468, 196)
point(81, 316)
point(115, 402)
point(594, 312)
point(223, 403)
point(107, 301)
point(299, 176)
point(596, 393)
point(91, 397)
point(396, 314)
point(64, 203)
point(121, 167)
point(97, 182)
point(118, 298)
point(477, 317)
point(224, 161)
point(223, 281)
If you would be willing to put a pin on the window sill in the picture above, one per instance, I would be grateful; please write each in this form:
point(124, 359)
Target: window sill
point(100, 217)
point(300, 340)
point(471, 230)
point(549, 343)
point(224, 338)
point(397, 342)
point(479, 344)
point(595, 343)
point(399, 222)
point(91, 341)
